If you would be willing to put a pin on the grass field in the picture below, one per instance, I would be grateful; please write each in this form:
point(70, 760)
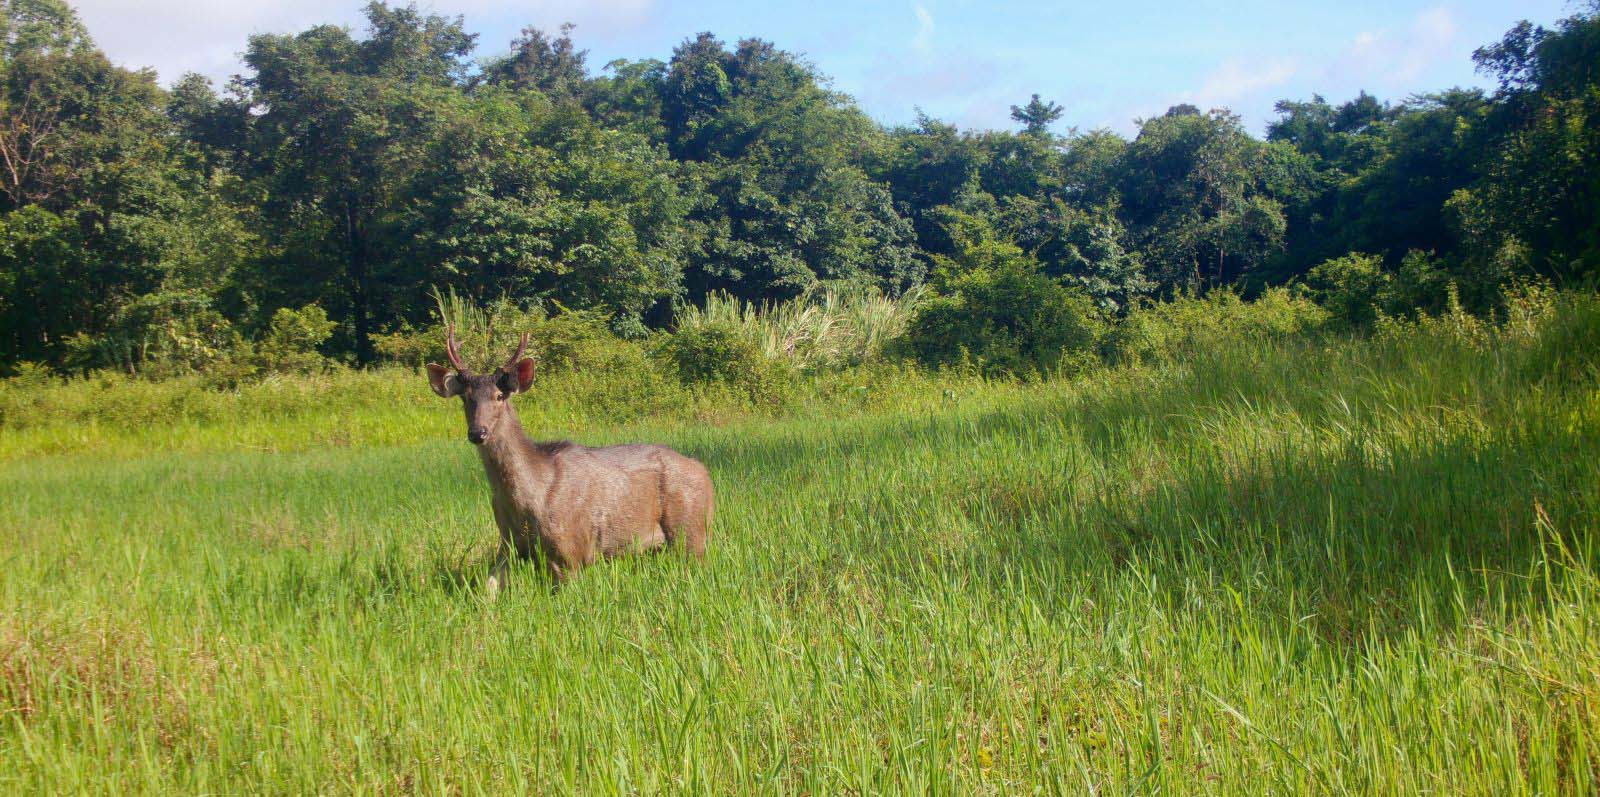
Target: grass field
point(1337, 567)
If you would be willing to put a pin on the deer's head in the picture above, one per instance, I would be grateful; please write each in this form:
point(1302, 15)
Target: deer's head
point(486, 397)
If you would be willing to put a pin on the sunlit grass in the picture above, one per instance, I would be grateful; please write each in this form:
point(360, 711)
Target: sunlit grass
point(1326, 568)
point(827, 326)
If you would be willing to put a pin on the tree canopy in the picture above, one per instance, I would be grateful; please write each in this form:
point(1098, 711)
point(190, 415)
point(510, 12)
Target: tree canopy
point(358, 170)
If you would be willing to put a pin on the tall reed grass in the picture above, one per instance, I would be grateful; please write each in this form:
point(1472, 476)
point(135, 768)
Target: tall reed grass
point(827, 327)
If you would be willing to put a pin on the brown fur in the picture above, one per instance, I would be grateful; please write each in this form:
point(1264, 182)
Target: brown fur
point(570, 504)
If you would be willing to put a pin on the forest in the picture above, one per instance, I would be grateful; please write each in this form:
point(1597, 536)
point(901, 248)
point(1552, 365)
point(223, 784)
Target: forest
point(323, 201)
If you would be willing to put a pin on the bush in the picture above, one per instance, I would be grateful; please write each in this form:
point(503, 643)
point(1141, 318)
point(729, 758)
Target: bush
point(1359, 291)
point(410, 347)
point(1011, 320)
point(1186, 325)
point(570, 342)
point(1354, 288)
point(581, 341)
point(720, 353)
point(160, 335)
point(290, 343)
point(28, 375)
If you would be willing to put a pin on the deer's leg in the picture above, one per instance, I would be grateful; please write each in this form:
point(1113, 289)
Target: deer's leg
point(559, 574)
point(499, 572)
point(502, 563)
point(564, 556)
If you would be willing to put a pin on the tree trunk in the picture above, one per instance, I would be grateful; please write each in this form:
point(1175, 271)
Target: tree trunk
point(360, 284)
point(1222, 255)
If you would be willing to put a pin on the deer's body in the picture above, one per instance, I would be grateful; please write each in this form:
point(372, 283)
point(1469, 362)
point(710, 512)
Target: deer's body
point(573, 504)
point(566, 503)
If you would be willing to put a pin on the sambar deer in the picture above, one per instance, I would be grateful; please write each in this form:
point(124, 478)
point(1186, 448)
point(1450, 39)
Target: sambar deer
point(568, 503)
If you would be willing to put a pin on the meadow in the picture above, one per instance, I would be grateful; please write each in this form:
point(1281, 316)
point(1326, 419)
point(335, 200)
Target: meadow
point(1311, 564)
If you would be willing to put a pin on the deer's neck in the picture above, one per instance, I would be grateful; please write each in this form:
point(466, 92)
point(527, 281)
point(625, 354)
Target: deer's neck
point(517, 469)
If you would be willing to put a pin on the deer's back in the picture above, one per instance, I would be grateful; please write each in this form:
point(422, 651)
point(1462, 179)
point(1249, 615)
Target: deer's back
point(629, 495)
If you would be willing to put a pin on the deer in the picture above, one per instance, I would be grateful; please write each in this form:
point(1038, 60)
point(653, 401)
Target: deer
point(566, 504)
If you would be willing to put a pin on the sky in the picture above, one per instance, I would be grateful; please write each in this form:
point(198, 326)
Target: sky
point(962, 61)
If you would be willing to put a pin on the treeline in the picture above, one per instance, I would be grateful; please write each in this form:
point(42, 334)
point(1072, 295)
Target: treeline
point(321, 197)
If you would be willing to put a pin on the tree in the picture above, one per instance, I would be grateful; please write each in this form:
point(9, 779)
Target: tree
point(629, 97)
point(1083, 248)
point(104, 230)
point(694, 91)
point(1193, 192)
point(1345, 138)
point(335, 129)
point(928, 167)
point(552, 66)
point(1036, 117)
point(996, 308)
point(532, 202)
point(1540, 183)
point(1091, 167)
point(1023, 164)
point(1396, 204)
point(780, 157)
point(58, 97)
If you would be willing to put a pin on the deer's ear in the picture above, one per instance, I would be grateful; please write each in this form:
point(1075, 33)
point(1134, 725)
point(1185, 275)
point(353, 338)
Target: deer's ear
point(443, 381)
point(524, 374)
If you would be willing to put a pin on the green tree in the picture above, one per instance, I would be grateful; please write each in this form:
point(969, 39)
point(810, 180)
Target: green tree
point(336, 128)
point(1036, 117)
point(1083, 248)
point(553, 66)
point(997, 309)
point(928, 167)
point(1541, 176)
point(789, 202)
point(1193, 189)
point(533, 202)
point(100, 212)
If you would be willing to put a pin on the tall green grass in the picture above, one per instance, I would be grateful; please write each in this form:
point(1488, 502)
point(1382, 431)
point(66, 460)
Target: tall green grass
point(830, 326)
point(1283, 566)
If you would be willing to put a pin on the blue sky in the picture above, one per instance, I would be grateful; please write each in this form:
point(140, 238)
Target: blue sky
point(958, 60)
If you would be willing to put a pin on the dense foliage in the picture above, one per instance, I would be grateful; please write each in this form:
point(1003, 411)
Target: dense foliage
point(344, 175)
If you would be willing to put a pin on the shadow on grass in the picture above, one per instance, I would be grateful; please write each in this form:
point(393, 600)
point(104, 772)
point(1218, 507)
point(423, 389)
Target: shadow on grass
point(1362, 538)
point(1355, 541)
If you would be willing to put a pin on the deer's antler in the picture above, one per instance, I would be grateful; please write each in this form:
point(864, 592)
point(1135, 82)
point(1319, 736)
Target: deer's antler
point(521, 349)
point(451, 350)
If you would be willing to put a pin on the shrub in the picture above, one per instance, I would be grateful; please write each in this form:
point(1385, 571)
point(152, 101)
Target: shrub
point(27, 375)
point(719, 353)
point(581, 341)
point(569, 342)
point(1187, 325)
point(1009, 319)
point(1421, 285)
point(1454, 326)
point(1358, 290)
point(709, 353)
point(159, 335)
point(410, 347)
point(290, 343)
point(1354, 288)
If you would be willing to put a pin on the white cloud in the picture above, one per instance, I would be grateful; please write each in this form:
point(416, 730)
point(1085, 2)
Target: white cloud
point(1385, 61)
point(1237, 79)
point(1397, 58)
point(923, 40)
point(205, 36)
